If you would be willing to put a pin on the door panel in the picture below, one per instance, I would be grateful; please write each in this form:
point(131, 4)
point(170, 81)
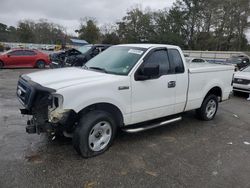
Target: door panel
point(29, 58)
point(16, 58)
point(154, 98)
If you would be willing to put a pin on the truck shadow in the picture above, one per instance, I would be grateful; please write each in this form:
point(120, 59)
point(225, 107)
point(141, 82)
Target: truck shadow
point(61, 148)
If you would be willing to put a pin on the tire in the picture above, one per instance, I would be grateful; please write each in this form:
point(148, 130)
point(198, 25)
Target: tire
point(92, 128)
point(1, 64)
point(208, 109)
point(40, 64)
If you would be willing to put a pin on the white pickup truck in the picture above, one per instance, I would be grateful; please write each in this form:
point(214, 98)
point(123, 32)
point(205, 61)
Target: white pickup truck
point(133, 87)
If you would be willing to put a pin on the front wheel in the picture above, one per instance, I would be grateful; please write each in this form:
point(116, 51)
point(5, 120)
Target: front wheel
point(208, 109)
point(94, 133)
point(40, 64)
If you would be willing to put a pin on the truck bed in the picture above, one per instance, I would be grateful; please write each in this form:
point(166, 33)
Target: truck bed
point(205, 76)
point(207, 67)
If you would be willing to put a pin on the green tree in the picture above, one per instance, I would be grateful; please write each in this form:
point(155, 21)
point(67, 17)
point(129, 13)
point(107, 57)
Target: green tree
point(89, 30)
point(136, 26)
point(25, 31)
point(109, 34)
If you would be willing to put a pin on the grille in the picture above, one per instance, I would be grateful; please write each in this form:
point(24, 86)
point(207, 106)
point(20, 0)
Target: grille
point(241, 81)
point(24, 93)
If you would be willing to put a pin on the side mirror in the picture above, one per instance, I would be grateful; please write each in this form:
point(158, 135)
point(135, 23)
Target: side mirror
point(8, 55)
point(148, 72)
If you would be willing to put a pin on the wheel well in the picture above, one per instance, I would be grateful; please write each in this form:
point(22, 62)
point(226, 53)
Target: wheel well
point(215, 91)
point(41, 60)
point(112, 109)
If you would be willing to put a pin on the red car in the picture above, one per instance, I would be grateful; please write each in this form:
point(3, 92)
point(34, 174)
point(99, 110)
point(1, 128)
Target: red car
point(24, 58)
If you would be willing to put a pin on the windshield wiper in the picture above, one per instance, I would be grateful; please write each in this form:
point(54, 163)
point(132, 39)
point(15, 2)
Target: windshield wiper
point(98, 68)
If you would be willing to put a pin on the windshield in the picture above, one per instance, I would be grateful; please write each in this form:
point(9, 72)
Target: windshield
point(116, 60)
point(6, 52)
point(84, 49)
point(246, 69)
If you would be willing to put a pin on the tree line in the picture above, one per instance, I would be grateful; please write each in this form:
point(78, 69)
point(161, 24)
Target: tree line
point(29, 31)
point(191, 24)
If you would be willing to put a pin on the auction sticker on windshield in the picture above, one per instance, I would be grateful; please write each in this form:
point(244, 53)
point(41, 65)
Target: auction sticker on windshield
point(133, 51)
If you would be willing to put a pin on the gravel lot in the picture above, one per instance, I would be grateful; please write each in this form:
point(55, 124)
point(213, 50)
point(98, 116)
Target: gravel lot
point(189, 153)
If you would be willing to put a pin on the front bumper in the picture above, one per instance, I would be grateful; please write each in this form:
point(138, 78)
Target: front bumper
point(59, 122)
point(241, 88)
point(37, 103)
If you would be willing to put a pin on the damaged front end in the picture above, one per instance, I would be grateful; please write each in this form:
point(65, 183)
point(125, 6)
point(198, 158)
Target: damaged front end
point(45, 107)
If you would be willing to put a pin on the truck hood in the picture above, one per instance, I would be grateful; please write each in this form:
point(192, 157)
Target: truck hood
point(65, 77)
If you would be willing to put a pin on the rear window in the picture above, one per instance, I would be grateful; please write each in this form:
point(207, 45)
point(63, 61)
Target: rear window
point(176, 61)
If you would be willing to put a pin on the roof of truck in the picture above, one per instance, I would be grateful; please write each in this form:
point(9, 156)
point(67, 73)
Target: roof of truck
point(149, 45)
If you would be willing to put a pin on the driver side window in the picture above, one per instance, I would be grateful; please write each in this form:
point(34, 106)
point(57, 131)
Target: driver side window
point(159, 57)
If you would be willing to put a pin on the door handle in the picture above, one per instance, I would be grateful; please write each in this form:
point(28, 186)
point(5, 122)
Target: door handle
point(171, 84)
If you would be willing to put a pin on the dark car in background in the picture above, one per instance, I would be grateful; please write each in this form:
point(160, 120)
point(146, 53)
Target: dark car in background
point(24, 58)
point(76, 57)
point(239, 62)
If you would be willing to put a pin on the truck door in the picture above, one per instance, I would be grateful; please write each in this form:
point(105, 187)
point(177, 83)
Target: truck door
point(153, 97)
point(178, 68)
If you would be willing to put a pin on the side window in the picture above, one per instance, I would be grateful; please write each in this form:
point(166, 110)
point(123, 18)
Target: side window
point(176, 61)
point(159, 57)
point(16, 53)
point(29, 53)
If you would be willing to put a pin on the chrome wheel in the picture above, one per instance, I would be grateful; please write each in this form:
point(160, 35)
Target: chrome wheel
point(100, 136)
point(211, 108)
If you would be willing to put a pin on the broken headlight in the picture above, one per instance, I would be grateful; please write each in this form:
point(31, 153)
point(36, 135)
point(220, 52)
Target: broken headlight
point(56, 113)
point(56, 101)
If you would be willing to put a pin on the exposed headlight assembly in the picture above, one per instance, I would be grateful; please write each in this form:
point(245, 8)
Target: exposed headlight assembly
point(56, 101)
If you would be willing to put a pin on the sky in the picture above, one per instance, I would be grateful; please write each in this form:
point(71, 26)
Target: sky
point(68, 12)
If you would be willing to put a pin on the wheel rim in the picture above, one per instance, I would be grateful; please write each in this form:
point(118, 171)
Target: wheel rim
point(100, 136)
point(211, 108)
point(40, 64)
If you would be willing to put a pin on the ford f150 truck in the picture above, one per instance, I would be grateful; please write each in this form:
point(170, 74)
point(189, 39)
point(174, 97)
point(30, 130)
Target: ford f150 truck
point(133, 87)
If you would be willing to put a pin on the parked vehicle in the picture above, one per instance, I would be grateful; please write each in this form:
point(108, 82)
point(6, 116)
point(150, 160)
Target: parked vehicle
point(23, 58)
point(195, 60)
point(240, 62)
point(133, 87)
point(49, 47)
point(76, 57)
point(241, 82)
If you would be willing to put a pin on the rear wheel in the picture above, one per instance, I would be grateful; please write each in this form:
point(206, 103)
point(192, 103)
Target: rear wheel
point(208, 109)
point(40, 64)
point(1, 64)
point(94, 133)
